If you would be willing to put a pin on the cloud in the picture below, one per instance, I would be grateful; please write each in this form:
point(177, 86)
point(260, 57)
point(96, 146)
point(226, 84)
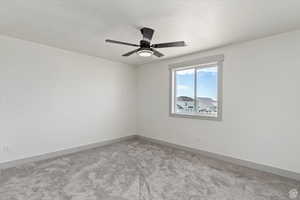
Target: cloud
point(182, 87)
point(207, 72)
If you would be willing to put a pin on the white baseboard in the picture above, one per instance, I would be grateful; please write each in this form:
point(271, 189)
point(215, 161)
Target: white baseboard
point(15, 163)
point(244, 163)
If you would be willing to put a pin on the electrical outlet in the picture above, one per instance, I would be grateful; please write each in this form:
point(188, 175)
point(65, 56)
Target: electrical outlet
point(293, 193)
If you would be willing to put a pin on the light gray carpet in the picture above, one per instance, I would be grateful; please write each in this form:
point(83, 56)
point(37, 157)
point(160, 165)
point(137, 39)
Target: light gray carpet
point(139, 170)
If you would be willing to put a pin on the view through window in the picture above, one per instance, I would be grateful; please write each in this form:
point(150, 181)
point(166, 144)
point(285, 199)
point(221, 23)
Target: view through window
point(195, 91)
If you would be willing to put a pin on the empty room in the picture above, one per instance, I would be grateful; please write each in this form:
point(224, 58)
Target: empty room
point(149, 100)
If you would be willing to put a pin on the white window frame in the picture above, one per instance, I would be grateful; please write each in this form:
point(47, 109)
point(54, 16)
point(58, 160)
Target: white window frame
point(196, 64)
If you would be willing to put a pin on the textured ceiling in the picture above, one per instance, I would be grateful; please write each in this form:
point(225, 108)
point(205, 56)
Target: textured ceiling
point(83, 25)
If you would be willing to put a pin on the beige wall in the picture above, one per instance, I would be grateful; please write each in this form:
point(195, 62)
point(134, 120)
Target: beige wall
point(260, 104)
point(52, 99)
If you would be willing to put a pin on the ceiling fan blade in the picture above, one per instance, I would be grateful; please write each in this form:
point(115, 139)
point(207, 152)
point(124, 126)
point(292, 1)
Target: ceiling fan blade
point(157, 53)
point(169, 44)
point(124, 43)
point(131, 52)
point(147, 33)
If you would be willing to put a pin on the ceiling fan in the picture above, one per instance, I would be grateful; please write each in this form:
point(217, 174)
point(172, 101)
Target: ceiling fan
point(147, 49)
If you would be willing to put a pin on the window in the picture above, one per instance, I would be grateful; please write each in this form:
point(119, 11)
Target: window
point(196, 88)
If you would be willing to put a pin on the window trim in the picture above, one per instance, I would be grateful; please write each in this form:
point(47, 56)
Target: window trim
point(196, 64)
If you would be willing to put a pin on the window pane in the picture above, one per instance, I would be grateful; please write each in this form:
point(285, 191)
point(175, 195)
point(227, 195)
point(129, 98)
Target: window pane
point(207, 91)
point(185, 92)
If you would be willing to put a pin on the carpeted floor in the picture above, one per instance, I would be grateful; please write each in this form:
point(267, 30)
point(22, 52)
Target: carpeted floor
point(139, 170)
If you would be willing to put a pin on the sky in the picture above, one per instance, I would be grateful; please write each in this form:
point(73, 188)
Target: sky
point(206, 82)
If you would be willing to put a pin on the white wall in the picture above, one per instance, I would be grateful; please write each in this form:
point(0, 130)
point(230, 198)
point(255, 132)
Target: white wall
point(51, 99)
point(261, 108)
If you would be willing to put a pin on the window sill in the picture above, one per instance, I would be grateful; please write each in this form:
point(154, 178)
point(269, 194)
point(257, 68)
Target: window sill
point(195, 116)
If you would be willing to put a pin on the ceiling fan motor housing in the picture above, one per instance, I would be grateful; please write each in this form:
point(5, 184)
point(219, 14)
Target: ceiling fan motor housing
point(144, 44)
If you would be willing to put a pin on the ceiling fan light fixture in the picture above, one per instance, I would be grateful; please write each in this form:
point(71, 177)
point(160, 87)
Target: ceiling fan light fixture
point(145, 52)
